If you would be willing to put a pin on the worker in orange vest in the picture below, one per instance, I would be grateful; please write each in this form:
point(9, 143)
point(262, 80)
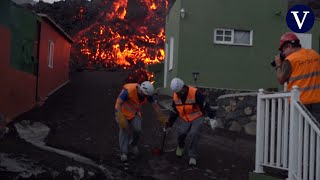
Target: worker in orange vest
point(189, 107)
point(128, 114)
point(301, 67)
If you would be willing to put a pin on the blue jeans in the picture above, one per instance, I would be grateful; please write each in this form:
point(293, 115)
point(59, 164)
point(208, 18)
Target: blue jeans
point(130, 135)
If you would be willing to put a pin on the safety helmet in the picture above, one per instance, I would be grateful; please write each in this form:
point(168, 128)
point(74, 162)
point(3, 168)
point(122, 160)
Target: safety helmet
point(147, 88)
point(288, 37)
point(176, 84)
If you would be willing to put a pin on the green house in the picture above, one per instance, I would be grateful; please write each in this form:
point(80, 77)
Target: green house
point(227, 44)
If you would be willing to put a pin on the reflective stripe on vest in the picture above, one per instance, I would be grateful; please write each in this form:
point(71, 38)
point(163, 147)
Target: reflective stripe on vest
point(177, 102)
point(195, 114)
point(308, 88)
point(305, 76)
point(188, 101)
point(131, 107)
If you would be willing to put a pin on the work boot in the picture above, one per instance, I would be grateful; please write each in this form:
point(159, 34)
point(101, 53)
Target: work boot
point(123, 157)
point(192, 162)
point(179, 151)
point(135, 150)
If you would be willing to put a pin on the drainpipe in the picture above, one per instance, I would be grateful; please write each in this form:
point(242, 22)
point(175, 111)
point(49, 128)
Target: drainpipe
point(38, 64)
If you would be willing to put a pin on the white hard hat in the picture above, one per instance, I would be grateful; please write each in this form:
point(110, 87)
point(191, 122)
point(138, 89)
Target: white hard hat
point(176, 84)
point(147, 88)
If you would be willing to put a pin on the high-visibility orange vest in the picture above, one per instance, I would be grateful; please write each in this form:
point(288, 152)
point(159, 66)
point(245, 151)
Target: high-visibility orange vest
point(132, 106)
point(305, 74)
point(189, 110)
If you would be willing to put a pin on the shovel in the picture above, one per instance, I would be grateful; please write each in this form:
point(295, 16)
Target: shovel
point(159, 151)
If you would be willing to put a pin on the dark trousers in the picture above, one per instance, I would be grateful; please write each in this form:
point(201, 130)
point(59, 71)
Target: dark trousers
point(192, 128)
point(314, 109)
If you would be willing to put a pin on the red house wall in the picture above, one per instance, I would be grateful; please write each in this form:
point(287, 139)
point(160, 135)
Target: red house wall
point(52, 78)
point(17, 88)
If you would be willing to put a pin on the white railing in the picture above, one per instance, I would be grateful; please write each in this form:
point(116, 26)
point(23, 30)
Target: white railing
point(287, 136)
point(272, 141)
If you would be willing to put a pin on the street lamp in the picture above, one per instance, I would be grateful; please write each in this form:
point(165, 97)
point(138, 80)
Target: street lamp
point(182, 12)
point(195, 77)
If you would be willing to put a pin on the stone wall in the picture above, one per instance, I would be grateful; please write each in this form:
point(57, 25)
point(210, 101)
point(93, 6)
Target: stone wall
point(237, 112)
point(213, 93)
point(235, 109)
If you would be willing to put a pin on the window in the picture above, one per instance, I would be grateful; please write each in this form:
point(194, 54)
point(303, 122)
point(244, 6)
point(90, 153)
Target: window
point(50, 54)
point(171, 53)
point(233, 37)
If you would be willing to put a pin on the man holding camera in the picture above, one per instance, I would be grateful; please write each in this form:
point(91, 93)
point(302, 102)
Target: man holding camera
point(299, 66)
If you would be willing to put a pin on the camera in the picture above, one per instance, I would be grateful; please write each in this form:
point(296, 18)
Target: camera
point(282, 57)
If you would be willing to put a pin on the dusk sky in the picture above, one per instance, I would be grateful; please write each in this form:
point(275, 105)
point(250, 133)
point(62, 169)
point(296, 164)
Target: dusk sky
point(49, 1)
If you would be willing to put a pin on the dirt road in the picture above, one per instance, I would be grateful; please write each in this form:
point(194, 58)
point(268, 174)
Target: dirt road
point(81, 119)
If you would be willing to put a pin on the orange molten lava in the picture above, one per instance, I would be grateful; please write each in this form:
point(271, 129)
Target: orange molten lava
point(124, 35)
point(140, 75)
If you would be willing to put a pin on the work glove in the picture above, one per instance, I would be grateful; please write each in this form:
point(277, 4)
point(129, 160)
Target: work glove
point(162, 118)
point(121, 120)
point(213, 123)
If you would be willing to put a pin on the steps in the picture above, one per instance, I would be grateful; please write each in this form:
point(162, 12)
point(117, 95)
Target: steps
point(257, 176)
